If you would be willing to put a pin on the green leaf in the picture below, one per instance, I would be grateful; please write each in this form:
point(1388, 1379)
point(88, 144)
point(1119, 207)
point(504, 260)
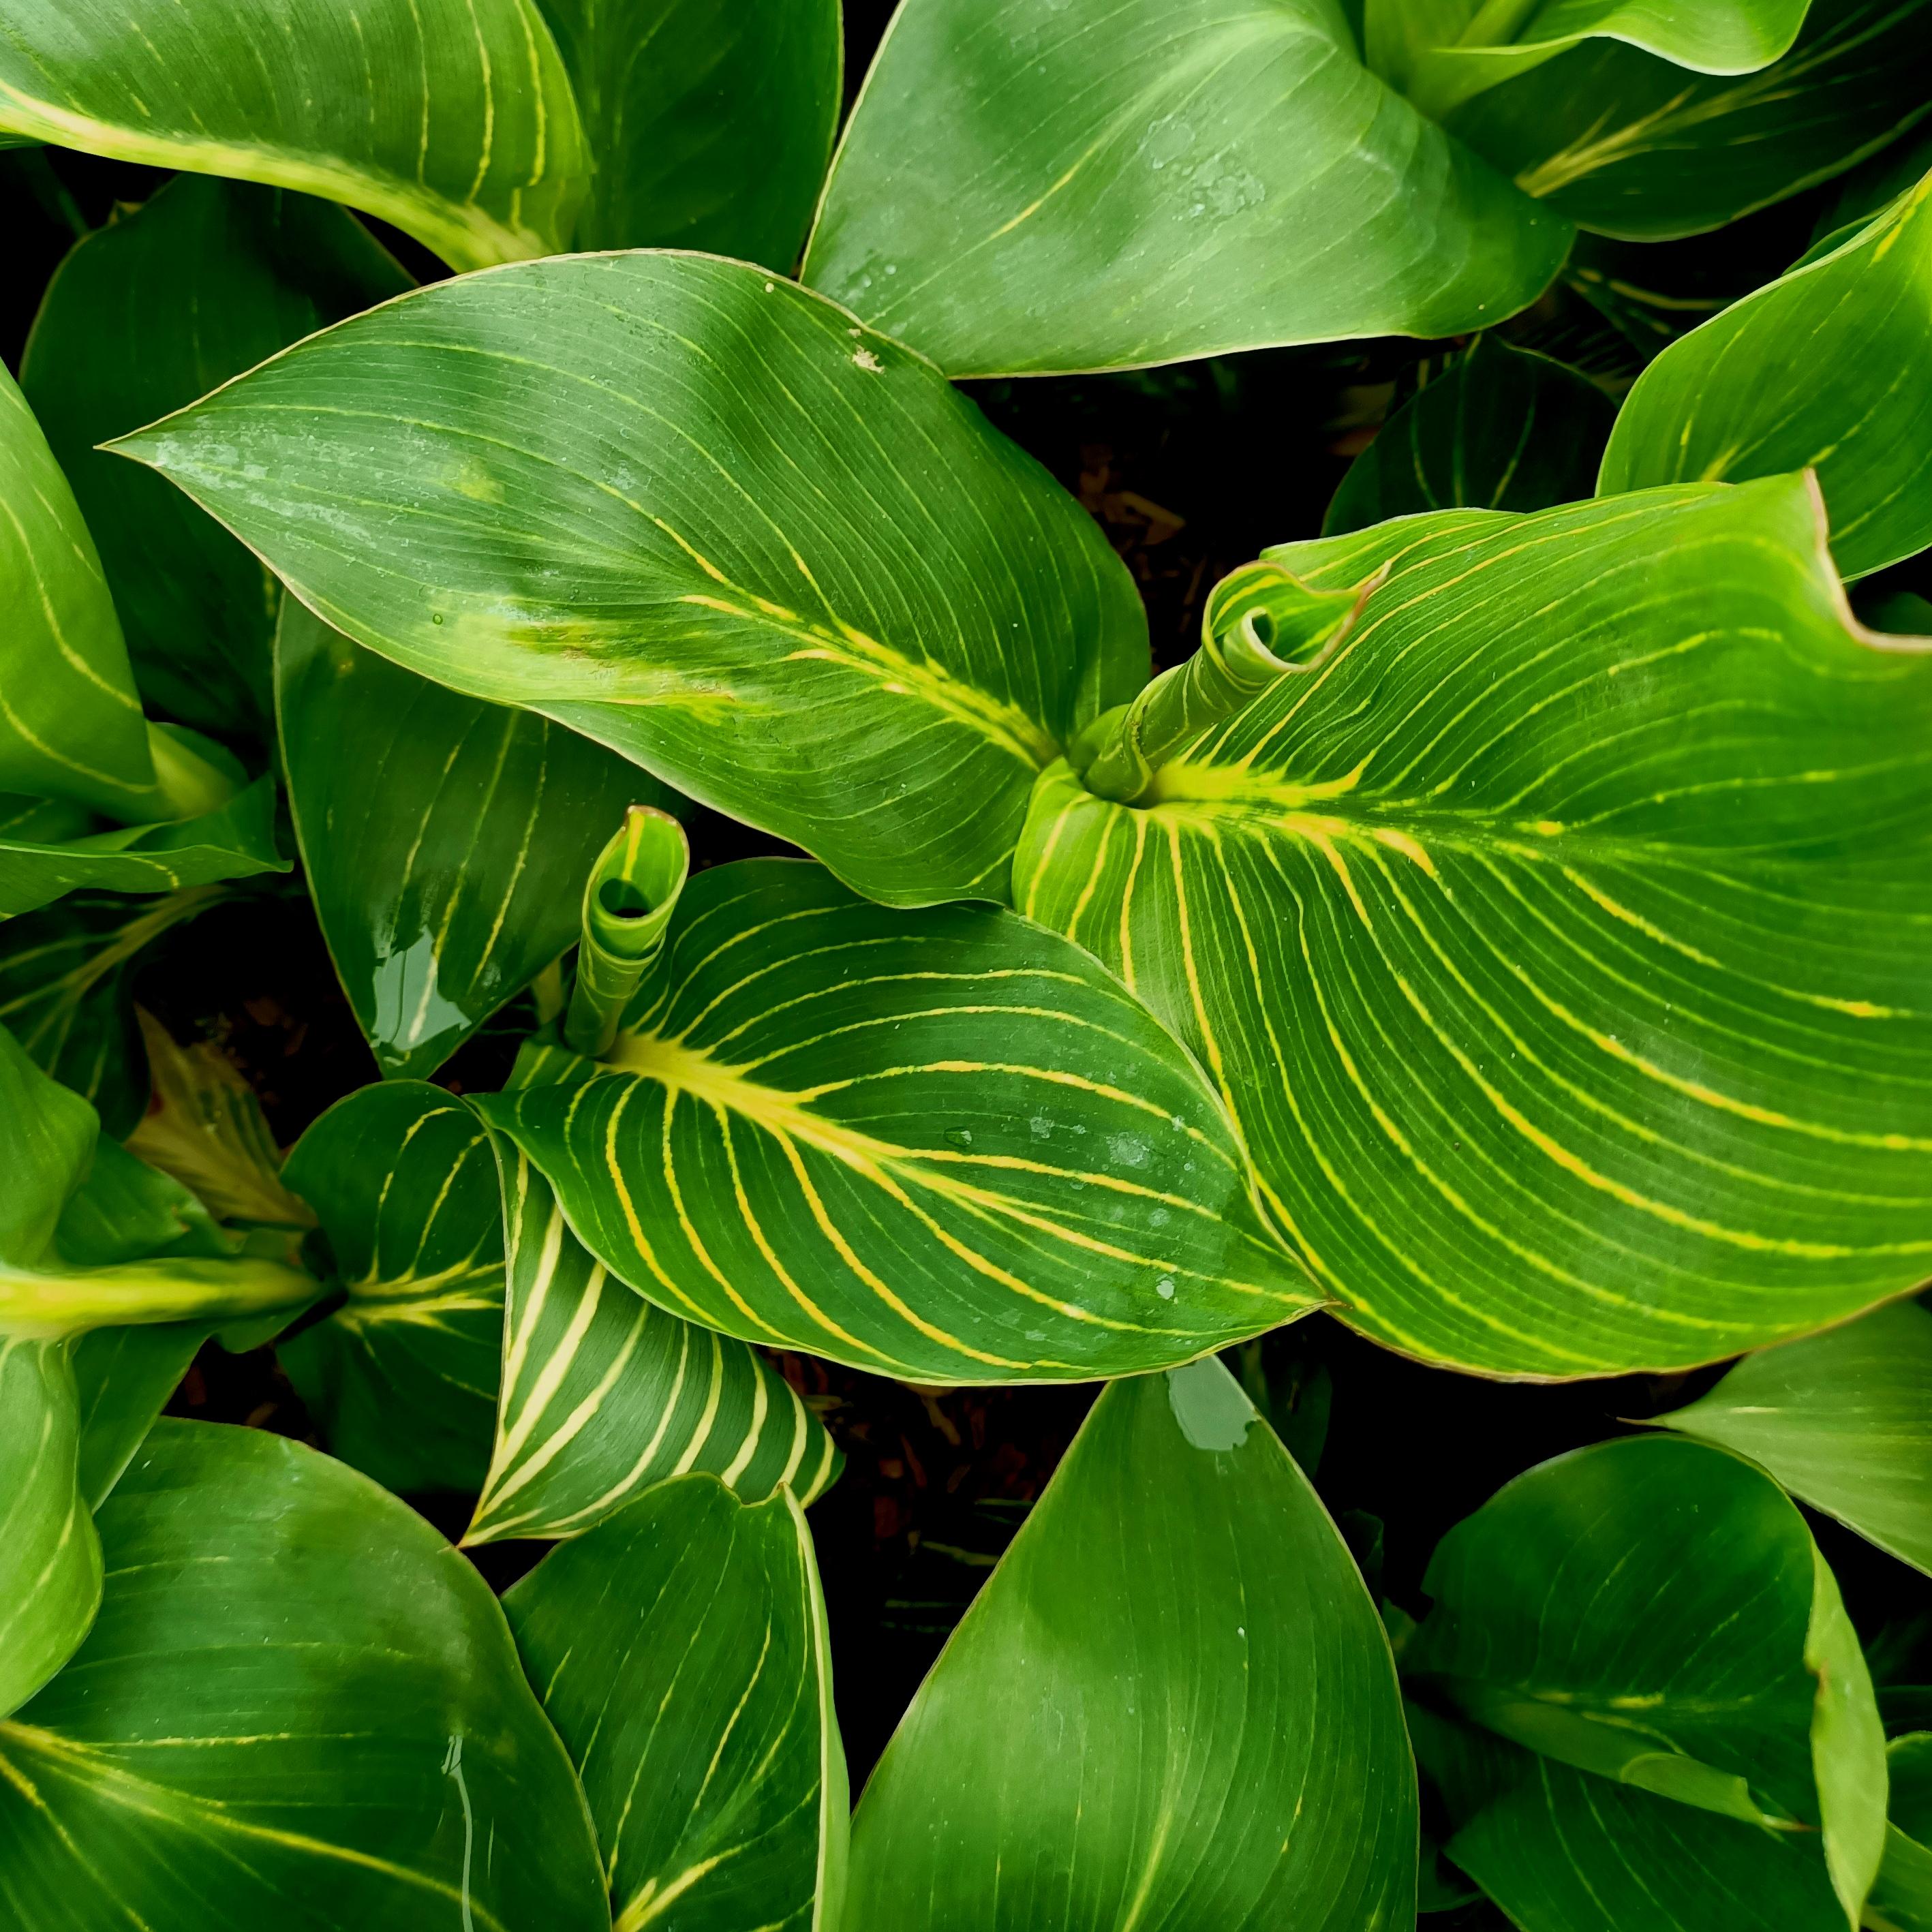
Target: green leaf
point(66, 976)
point(1843, 1420)
point(1557, 936)
point(451, 118)
point(629, 900)
point(1829, 368)
point(681, 1649)
point(685, 509)
point(1659, 1695)
point(711, 122)
point(605, 1394)
point(403, 1376)
point(1901, 1898)
point(1172, 1704)
point(298, 1690)
point(1025, 189)
point(204, 280)
point(445, 890)
point(1500, 429)
point(944, 1146)
point(1626, 144)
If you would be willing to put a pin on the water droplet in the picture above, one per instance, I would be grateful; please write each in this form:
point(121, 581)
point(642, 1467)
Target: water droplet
point(1164, 1288)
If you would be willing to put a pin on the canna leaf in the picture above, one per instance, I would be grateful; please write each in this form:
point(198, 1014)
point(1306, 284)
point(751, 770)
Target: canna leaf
point(1025, 189)
point(944, 1146)
point(403, 1376)
point(1501, 429)
point(296, 1684)
point(204, 281)
point(1901, 1898)
point(814, 590)
point(1843, 1420)
point(1708, 1750)
point(605, 1395)
point(681, 1652)
point(629, 901)
point(1172, 1704)
point(1553, 935)
point(711, 123)
point(1826, 369)
point(452, 119)
point(445, 888)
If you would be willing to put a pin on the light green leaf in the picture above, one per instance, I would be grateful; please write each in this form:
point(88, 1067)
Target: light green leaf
point(711, 120)
point(944, 1146)
point(1172, 1704)
point(451, 118)
point(1830, 369)
point(1557, 936)
point(1500, 429)
point(1628, 144)
point(404, 1375)
point(1030, 189)
point(204, 280)
point(681, 1651)
point(629, 899)
point(605, 1394)
point(1843, 1420)
point(1659, 1694)
point(682, 507)
point(298, 1690)
point(445, 889)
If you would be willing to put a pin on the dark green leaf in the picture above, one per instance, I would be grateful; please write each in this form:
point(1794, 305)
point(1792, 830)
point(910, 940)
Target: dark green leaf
point(1901, 1899)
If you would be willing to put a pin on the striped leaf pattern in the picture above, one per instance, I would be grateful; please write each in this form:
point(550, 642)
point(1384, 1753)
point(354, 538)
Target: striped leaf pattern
point(1559, 939)
point(451, 118)
point(698, 514)
point(943, 1145)
point(605, 1394)
point(404, 1375)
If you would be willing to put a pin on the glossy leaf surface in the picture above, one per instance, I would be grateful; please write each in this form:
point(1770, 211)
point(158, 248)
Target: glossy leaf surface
point(1554, 937)
point(1829, 368)
point(1501, 429)
point(1025, 189)
point(451, 118)
point(1843, 1420)
point(710, 120)
point(943, 1145)
point(445, 888)
point(1675, 1708)
point(679, 506)
point(296, 1683)
point(681, 1652)
point(202, 281)
point(402, 1377)
point(605, 1394)
point(1173, 1704)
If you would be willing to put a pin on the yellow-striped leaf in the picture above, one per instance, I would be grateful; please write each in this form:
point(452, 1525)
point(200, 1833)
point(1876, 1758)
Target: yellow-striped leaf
point(454, 119)
point(605, 1394)
point(699, 515)
point(943, 1145)
point(1558, 934)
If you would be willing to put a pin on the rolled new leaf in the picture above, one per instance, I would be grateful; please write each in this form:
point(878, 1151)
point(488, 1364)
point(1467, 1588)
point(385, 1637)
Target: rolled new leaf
point(628, 900)
point(1661, 1779)
point(1569, 1033)
point(1172, 1704)
point(295, 1681)
point(682, 1656)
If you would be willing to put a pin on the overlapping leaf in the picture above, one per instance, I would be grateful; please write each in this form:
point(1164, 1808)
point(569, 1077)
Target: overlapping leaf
point(943, 1145)
point(299, 1708)
point(694, 512)
point(1901, 1898)
point(681, 1649)
point(1172, 1704)
point(203, 281)
point(1830, 369)
point(1031, 188)
point(446, 887)
point(451, 118)
point(1557, 936)
point(605, 1394)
